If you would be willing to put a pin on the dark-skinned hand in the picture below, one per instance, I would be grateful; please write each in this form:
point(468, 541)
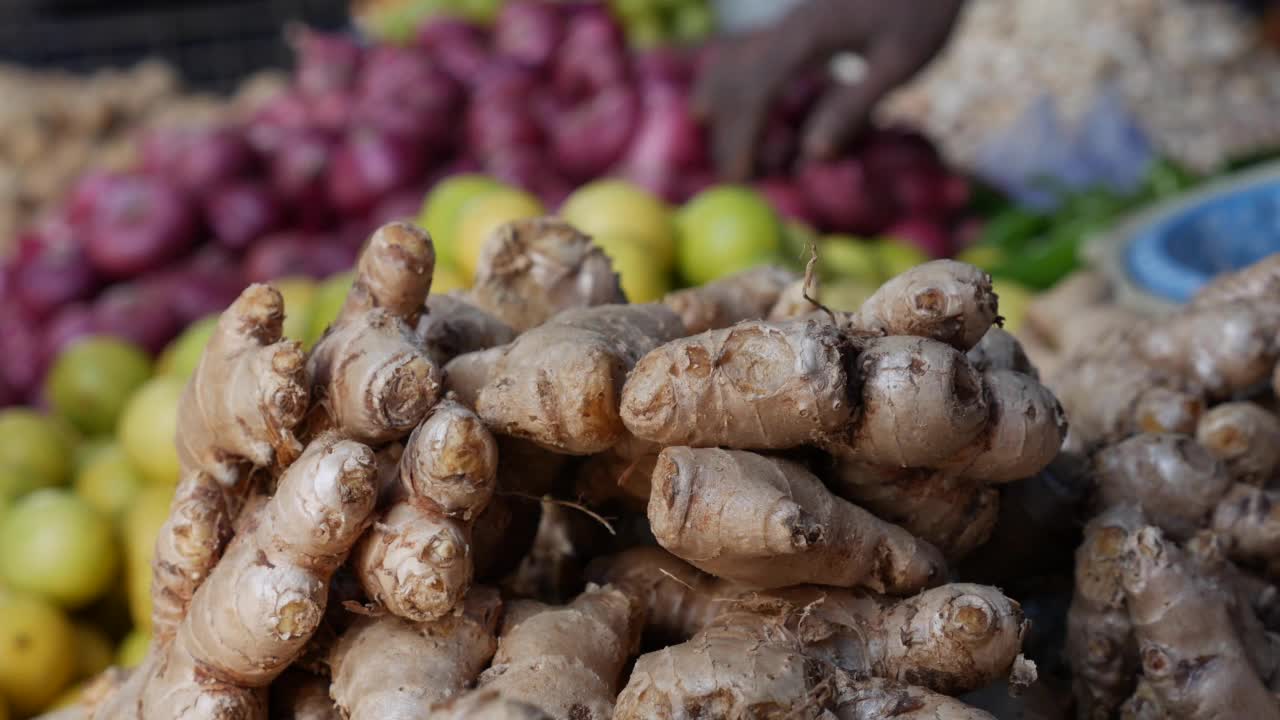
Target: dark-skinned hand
point(896, 38)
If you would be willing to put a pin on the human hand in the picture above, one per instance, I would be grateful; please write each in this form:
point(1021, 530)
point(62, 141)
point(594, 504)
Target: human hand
point(895, 37)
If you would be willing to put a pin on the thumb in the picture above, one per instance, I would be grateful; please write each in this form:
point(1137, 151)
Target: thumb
point(844, 111)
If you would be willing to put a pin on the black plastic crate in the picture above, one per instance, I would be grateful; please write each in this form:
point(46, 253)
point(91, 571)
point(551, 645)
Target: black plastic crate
point(213, 44)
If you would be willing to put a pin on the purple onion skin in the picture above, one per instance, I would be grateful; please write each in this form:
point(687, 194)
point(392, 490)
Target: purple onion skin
point(461, 48)
point(325, 61)
point(787, 199)
point(241, 213)
point(57, 275)
point(846, 197)
point(140, 224)
point(925, 233)
point(368, 166)
point(592, 137)
point(529, 31)
point(138, 314)
point(296, 254)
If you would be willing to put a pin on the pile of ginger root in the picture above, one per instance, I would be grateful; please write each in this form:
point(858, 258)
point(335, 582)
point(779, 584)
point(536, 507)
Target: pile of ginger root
point(1175, 432)
point(532, 499)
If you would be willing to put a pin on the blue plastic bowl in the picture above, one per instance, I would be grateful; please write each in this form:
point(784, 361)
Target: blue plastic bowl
point(1211, 232)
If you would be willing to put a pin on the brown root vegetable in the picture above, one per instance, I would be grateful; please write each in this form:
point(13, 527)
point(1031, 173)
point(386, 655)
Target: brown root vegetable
point(1000, 350)
point(1224, 349)
point(1248, 520)
point(1025, 430)
point(793, 303)
point(1259, 281)
point(943, 300)
point(224, 433)
point(263, 601)
point(748, 295)
point(679, 599)
point(417, 561)
point(187, 548)
point(872, 699)
point(1174, 480)
point(1052, 309)
point(951, 513)
point(1245, 437)
point(531, 270)
point(566, 660)
point(452, 326)
point(1182, 620)
point(466, 375)
point(921, 403)
point(623, 473)
point(373, 379)
point(752, 386)
point(386, 668)
point(701, 497)
point(1101, 647)
point(560, 384)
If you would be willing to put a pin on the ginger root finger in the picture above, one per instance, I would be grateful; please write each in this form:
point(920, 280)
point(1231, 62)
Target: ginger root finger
point(921, 403)
point(1175, 480)
point(452, 326)
point(561, 383)
point(1025, 430)
point(225, 433)
point(386, 668)
point(748, 295)
point(1000, 350)
point(450, 462)
point(1224, 349)
point(948, 301)
point(1167, 598)
point(702, 498)
point(467, 374)
point(566, 660)
point(755, 385)
point(531, 270)
point(1259, 281)
point(1245, 437)
point(187, 547)
point(373, 378)
point(300, 695)
point(1100, 642)
point(415, 563)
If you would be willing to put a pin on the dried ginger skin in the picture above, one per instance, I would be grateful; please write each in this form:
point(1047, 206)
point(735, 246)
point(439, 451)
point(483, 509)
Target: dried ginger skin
point(767, 522)
point(1175, 480)
point(1245, 437)
point(531, 270)
point(300, 695)
point(373, 378)
point(453, 326)
point(561, 383)
point(1100, 643)
point(385, 668)
point(921, 403)
point(225, 433)
point(948, 301)
point(679, 599)
point(566, 660)
point(1190, 653)
point(1259, 281)
point(755, 385)
point(875, 698)
point(747, 295)
point(485, 705)
point(1248, 521)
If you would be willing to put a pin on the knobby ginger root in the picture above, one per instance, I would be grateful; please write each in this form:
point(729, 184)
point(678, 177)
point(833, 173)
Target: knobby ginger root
point(748, 295)
point(416, 561)
point(452, 326)
point(386, 668)
point(998, 350)
point(755, 385)
point(566, 660)
point(486, 705)
point(466, 375)
point(1190, 654)
point(622, 473)
point(531, 270)
point(1245, 437)
point(221, 436)
point(1259, 281)
point(1221, 348)
point(921, 403)
point(265, 598)
point(1100, 643)
point(373, 378)
point(702, 498)
point(944, 300)
point(560, 384)
point(222, 432)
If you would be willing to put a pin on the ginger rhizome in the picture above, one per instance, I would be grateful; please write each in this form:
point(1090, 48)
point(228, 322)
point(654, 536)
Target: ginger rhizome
point(374, 378)
point(457, 505)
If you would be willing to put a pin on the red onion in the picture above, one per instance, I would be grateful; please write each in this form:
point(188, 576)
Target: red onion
point(241, 213)
point(140, 223)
